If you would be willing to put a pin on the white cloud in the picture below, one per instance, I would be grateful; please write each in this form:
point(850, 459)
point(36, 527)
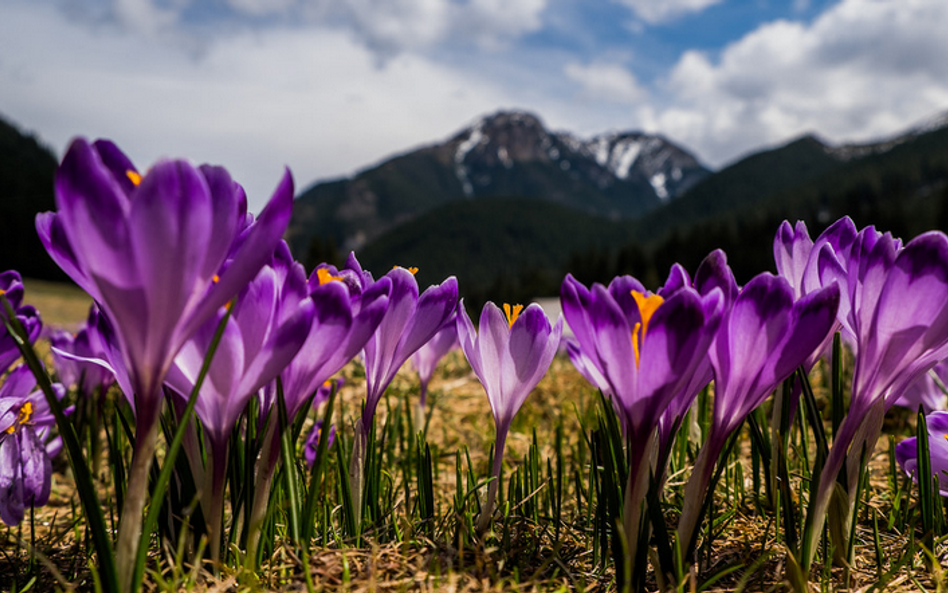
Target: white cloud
point(311, 98)
point(610, 83)
point(662, 11)
point(309, 89)
point(258, 8)
point(387, 27)
point(863, 69)
point(143, 16)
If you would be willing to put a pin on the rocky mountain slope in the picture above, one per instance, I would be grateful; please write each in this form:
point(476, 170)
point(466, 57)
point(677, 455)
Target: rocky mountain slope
point(617, 176)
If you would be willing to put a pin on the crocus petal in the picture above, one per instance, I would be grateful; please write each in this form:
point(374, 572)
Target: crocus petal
point(467, 336)
point(532, 346)
point(37, 468)
point(713, 272)
point(426, 358)
point(792, 247)
point(11, 482)
point(118, 164)
point(509, 360)
point(621, 289)
point(493, 337)
point(255, 249)
point(678, 337)
point(88, 198)
point(910, 325)
point(906, 453)
point(678, 278)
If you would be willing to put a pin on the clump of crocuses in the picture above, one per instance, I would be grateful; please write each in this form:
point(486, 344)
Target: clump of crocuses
point(648, 350)
point(160, 253)
point(894, 312)
point(410, 321)
point(510, 353)
point(26, 445)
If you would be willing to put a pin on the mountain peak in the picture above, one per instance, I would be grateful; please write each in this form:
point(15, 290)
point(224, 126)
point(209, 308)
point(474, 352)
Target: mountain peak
point(503, 154)
point(500, 139)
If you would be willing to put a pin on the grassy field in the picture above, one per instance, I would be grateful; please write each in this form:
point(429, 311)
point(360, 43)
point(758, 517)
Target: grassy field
point(60, 304)
point(535, 545)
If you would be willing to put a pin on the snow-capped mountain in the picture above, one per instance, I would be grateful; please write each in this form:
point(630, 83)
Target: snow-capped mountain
point(506, 138)
point(506, 154)
point(670, 170)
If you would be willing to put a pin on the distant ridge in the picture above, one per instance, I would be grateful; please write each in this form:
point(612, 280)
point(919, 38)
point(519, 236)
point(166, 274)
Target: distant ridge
point(508, 153)
point(508, 248)
point(26, 187)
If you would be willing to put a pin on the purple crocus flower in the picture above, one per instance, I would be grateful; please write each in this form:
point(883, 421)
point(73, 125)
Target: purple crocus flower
point(104, 351)
point(312, 441)
point(266, 327)
point(311, 445)
point(160, 253)
point(269, 322)
point(426, 358)
point(149, 250)
point(348, 313)
point(25, 444)
point(348, 310)
point(906, 452)
point(763, 338)
point(713, 273)
point(510, 353)
point(927, 391)
point(11, 288)
point(73, 356)
point(410, 322)
point(896, 309)
point(648, 350)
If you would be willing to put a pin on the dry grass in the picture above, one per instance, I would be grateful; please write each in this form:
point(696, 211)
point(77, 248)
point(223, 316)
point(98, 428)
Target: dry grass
point(59, 304)
point(535, 560)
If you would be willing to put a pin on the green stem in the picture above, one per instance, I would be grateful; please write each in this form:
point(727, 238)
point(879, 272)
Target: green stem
point(133, 509)
point(488, 511)
point(214, 498)
point(266, 466)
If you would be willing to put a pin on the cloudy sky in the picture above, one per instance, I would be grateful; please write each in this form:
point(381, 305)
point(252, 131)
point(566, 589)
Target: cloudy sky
point(328, 87)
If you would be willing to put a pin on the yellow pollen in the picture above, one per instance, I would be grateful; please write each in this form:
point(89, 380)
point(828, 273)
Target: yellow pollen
point(134, 177)
point(23, 416)
point(324, 276)
point(215, 279)
point(512, 313)
point(647, 306)
point(2, 292)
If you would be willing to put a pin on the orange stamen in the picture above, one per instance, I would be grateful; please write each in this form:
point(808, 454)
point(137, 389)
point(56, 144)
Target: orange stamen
point(647, 306)
point(512, 313)
point(325, 276)
point(134, 177)
point(23, 416)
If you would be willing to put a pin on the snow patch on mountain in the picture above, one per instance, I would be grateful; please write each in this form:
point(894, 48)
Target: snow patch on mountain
point(475, 137)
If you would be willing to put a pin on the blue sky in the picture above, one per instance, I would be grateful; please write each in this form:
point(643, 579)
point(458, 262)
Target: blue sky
point(328, 87)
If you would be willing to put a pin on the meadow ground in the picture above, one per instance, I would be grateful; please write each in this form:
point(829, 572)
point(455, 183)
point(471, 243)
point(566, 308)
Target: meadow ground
point(528, 551)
